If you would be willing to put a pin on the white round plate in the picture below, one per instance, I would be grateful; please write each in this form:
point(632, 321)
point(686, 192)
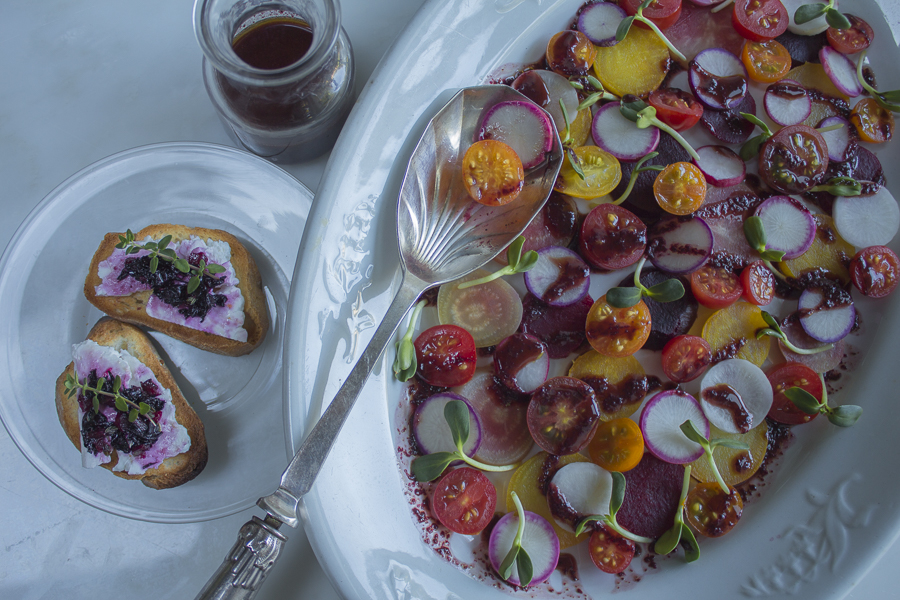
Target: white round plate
point(828, 509)
point(45, 312)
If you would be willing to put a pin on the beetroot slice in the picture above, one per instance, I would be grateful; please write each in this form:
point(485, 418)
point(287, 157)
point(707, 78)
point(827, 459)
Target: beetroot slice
point(802, 48)
point(560, 327)
point(652, 492)
point(728, 125)
point(667, 319)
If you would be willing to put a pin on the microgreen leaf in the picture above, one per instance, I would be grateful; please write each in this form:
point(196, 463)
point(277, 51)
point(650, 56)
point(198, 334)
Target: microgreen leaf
point(164, 242)
point(809, 12)
point(617, 497)
point(405, 364)
point(835, 19)
point(193, 284)
point(575, 162)
point(430, 466)
point(690, 545)
point(771, 321)
point(622, 29)
point(669, 290)
point(692, 433)
point(456, 412)
point(96, 404)
point(623, 297)
point(524, 567)
point(182, 265)
point(215, 269)
point(751, 147)
point(668, 541)
point(517, 554)
point(803, 400)
point(132, 415)
point(755, 233)
point(154, 264)
point(844, 416)
point(758, 122)
point(143, 408)
point(121, 405)
point(117, 384)
point(506, 566)
point(518, 263)
point(772, 255)
point(637, 170)
point(840, 186)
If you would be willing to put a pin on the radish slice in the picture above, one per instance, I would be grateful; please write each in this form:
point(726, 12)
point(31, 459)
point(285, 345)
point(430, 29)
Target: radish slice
point(820, 362)
point(789, 226)
point(735, 395)
point(864, 221)
point(523, 126)
point(431, 431)
point(718, 78)
point(826, 314)
point(721, 165)
point(559, 277)
point(578, 490)
point(559, 88)
point(661, 422)
point(814, 27)
point(679, 246)
point(619, 136)
point(539, 540)
point(841, 71)
point(505, 438)
point(599, 22)
point(837, 140)
point(787, 103)
point(521, 362)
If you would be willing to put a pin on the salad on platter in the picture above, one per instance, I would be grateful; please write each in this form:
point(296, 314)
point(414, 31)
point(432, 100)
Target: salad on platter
point(610, 388)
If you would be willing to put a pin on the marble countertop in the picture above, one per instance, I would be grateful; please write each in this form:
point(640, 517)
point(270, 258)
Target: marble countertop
point(84, 79)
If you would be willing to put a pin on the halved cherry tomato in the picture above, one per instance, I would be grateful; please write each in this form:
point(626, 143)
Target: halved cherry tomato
point(685, 357)
point(617, 331)
point(570, 53)
point(785, 376)
point(766, 61)
point(873, 123)
point(758, 283)
point(715, 287)
point(612, 237)
point(711, 511)
point(662, 13)
point(759, 20)
point(563, 415)
point(611, 552)
point(617, 445)
point(676, 108)
point(794, 160)
point(492, 173)
point(464, 500)
point(854, 39)
point(875, 271)
point(680, 188)
point(446, 355)
point(602, 173)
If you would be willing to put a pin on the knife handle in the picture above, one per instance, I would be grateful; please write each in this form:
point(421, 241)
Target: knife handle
point(245, 568)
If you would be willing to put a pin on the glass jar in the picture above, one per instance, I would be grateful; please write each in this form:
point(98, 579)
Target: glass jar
point(286, 113)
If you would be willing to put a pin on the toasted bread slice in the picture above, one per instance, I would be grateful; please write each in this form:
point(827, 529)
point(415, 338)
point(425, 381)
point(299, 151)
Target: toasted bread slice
point(173, 471)
point(132, 308)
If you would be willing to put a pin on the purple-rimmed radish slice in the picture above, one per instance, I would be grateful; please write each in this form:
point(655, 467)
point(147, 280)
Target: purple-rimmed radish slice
point(721, 165)
point(870, 220)
point(838, 140)
point(578, 490)
point(661, 422)
point(521, 362)
point(559, 88)
point(619, 136)
point(718, 78)
point(820, 362)
point(539, 540)
point(841, 71)
point(559, 277)
point(827, 313)
point(789, 226)
point(679, 246)
point(735, 395)
point(431, 431)
point(787, 103)
point(522, 126)
point(599, 22)
point(505, 438)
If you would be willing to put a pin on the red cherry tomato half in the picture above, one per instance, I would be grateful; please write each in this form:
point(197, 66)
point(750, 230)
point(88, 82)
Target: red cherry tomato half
point(875, 271)
point(612, 237)
point(715, 287)
point(611, 552)
point(563, 415)
point(784, 377)
point(663, 13)
point(676, 108)
point(758, 283)
point(464, 501)
point(685, 357)
point(445, 355)
point(852, 40)
point(759, 20)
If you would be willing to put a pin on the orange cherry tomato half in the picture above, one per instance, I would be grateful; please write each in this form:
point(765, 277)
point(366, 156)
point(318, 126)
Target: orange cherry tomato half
point(610, 552)
point(680, 188)
point(715, 287)
point(570, 53)
point(492, 173)
point(615, 331)
point(767, 61)
point(685, 357)
point(873, 123)
point(617, 445)
point(464, 501)
point(711, 511)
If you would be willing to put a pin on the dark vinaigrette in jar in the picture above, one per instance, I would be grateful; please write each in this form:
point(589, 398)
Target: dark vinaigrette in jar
point(273, 43)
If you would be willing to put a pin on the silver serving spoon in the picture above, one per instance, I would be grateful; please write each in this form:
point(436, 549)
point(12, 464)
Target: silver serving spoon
point(444, 235)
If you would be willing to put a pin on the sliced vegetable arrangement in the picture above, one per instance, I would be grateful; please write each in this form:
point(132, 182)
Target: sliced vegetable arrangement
point(616, 381)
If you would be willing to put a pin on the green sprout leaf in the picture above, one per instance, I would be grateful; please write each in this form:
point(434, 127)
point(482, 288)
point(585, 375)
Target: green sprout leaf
point(835, 19)
point(617, 497)
point(774, 330)
point(517, 554)
point(803, 400)
point(669, 290)
point(626, 297)
point(845, 416)
point(692, 433)
point(840, 186)
point(690, 545)
point(517, 263)
point(670, 539)
point(755, 233)
point(431, 466)
point(623, 297)
point(623, 28)
point(842, 416)
point(637, 170)
point(405, 364)
point(809, 12)
point(457, 415)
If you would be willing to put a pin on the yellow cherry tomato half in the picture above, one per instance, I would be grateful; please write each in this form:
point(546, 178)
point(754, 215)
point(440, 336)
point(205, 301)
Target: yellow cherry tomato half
point(873, 123)
point(492, 173)
point(615, 331)
point(617, 445)
point(602, 173)
point(680, 188)
point(767, 61)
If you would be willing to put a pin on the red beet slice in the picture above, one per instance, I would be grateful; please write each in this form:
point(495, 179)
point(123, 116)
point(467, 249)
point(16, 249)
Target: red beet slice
point(802, 48)
point(652, 492)
point(560, 327)
point(668, 319)
point(728, 125)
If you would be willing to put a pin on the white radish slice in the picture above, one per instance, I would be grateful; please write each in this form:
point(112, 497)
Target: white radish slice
point(678, 246)
point(871, 220)
point(789, 226)
point(521, 125)
point(826, 315)
point(505, 438)
point(539, 540)
point(621, 137)
point(599, 22)
point(837, 140)
point(521, 362)
point(814, 27)
point(431, 431)
point(721, 165)
point(661, 422)
point(578, 490)
point(559, 277)
point(841, 71)
point(735, 395)
point(787, 103)
point(559, 88)
point(718, 78)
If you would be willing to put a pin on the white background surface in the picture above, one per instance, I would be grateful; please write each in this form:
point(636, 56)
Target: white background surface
point(82, 80)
